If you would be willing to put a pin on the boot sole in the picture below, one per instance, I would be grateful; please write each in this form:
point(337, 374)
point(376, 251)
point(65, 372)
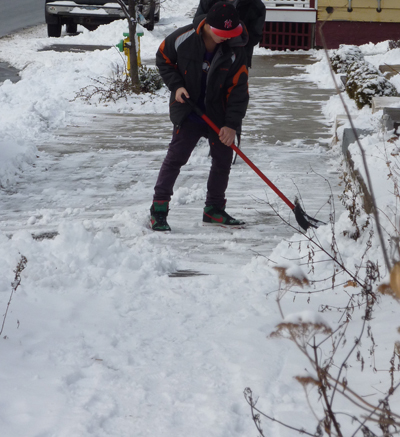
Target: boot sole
point(222, 225)
point(157, 230)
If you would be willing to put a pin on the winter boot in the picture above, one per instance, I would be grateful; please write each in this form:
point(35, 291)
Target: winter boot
point(158, 215)
point(213, 215)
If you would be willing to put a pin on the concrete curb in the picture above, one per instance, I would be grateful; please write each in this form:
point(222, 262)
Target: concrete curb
point(391, 121)
point(350, 137)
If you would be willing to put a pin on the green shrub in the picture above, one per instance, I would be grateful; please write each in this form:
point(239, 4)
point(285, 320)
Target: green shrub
point(364, 82)
point(394, 44)
point(344, 57)
point(150, 79)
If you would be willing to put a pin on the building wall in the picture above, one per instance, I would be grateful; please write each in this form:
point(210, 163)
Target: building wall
point(362, 25)
point(355, 33)
point(363, 10)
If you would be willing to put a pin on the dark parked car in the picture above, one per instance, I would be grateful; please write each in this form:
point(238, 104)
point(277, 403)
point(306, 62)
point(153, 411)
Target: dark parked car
point(92, 13)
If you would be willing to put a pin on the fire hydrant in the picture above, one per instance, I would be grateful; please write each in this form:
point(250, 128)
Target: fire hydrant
point(124, 46)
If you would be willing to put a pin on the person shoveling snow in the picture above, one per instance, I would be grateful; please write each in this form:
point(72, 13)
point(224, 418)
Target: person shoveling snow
point(217, 44)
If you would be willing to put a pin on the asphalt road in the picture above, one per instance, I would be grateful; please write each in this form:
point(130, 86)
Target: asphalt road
point(18, 14)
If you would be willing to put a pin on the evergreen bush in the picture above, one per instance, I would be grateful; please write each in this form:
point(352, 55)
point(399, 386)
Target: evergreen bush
point(364, 82)
point(150, 79)
point(344, 57)
point(394, 44)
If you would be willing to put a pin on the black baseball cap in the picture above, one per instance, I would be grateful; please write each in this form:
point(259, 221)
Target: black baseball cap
point(224, 20)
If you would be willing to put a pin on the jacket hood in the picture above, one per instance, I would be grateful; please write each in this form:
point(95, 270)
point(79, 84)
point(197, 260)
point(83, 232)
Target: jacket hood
point(238, 41)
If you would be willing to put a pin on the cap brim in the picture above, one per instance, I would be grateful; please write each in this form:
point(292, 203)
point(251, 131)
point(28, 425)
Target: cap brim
point(231, 33)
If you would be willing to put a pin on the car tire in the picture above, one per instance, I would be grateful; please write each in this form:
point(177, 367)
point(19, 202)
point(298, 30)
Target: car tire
point(72, 27)
point(151, 18)
point(91, 27)
point(150, 24)
point(54, 30)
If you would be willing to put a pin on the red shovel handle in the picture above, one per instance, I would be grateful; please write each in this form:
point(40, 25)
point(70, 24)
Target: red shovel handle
point(247, 161)
point(304, 220)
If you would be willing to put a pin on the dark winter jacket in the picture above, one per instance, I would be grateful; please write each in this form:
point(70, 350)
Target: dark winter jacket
point(251, 12)
point(179, 60)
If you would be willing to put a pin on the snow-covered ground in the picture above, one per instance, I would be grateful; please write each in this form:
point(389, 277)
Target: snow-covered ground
point(106, 336)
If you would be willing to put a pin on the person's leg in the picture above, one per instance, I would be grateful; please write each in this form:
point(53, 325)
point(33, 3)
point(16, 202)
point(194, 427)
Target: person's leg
point(214, 212)
point(183, 142)
point(218, 178)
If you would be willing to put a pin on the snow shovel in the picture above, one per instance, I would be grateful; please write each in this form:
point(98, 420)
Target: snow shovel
point(304, 220)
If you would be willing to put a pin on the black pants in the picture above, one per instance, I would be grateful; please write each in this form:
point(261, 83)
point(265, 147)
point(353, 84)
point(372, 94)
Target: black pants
point(183, 142)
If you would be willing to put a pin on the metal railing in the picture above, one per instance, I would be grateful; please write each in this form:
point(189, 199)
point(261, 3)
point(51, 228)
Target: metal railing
point(350, 6)
point(290, 3)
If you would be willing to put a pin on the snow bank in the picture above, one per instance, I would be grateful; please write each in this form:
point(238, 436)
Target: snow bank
point(118, 349)
point(43, 100)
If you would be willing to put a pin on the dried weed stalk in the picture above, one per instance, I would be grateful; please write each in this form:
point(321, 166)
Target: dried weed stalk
point(119, 86)
point(14, 285)
point(329, 375)
point(330, 353)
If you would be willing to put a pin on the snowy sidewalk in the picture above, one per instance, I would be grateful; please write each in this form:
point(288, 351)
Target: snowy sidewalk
point(123, 332)
point(104, 168)
point(116, 331)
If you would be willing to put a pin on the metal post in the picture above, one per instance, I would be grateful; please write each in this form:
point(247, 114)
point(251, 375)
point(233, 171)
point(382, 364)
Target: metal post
point(350, 9)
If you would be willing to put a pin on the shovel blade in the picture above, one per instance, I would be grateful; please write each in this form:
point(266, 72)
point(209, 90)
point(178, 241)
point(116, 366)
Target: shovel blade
point(304, 220)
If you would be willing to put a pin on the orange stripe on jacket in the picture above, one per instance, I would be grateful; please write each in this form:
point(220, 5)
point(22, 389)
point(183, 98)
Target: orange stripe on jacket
point(161, 48)
point(243, 69)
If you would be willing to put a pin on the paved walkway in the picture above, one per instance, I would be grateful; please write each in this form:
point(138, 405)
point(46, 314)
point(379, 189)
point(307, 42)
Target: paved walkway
point(8, 72)
point(104, 169)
